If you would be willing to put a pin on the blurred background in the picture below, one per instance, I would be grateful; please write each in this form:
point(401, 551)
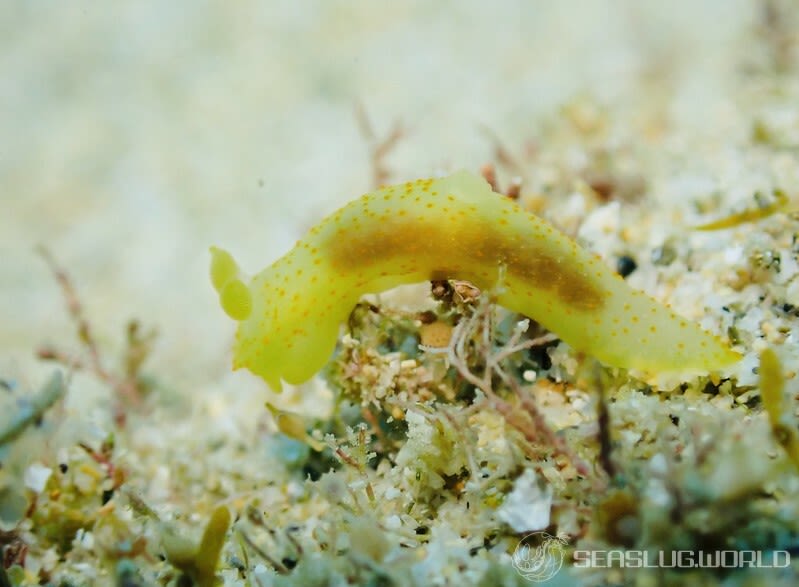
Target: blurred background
point(135, 135)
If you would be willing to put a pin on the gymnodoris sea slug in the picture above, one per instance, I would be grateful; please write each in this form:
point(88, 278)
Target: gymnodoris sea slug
point(455, 227)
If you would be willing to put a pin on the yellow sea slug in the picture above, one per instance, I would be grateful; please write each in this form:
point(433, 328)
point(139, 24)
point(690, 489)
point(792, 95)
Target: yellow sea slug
point(450, 228)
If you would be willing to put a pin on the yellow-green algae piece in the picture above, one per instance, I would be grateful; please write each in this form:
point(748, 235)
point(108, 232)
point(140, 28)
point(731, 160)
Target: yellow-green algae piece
point(749, 215)
point(772, 388)
point(199, 561)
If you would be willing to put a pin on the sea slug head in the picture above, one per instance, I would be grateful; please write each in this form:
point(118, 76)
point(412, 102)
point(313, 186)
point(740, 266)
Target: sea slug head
point(284, 334)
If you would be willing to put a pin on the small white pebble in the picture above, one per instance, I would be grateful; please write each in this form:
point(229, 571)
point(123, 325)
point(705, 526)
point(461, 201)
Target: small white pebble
point(658, 464)
point(50, 559)
point(84, 539)
point(84, 483)
point(36, 477)
point(733, 255)
point(160, 485)
point(295, 490)
point(392, 493)
point(393, 522)
point(528, 506)
point(264, 576)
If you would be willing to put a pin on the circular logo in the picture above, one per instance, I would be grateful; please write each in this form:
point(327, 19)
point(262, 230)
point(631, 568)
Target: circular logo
point(539, 556)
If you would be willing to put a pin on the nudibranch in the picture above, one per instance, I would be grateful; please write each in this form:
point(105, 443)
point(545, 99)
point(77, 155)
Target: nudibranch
point(454, 227)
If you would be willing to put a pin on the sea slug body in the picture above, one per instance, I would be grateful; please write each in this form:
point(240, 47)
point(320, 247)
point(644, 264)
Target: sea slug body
point(450, 228)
